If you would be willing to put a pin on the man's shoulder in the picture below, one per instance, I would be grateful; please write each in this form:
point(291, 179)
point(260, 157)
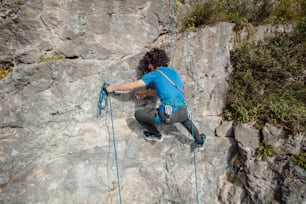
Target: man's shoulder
point(165, 68)
point(149, 77)
point(169, 70)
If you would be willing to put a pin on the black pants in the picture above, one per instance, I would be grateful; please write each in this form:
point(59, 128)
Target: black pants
point(147, 119)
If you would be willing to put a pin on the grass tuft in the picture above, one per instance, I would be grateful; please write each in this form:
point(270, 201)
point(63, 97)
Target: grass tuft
point(242, 12)
point(5, 72)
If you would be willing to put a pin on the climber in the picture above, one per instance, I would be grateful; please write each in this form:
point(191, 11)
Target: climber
point(168, 88)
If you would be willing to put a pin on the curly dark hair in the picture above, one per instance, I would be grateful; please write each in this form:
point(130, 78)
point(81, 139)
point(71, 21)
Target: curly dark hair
point(157, 57)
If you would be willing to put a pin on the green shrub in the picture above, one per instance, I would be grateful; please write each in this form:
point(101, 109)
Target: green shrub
point(242, 12)
point(268, 81)
point(299, 160)
point(285, 11)
point(249, 10)
point(245, 114)
point(279, 109)
point(265, 150)
point(201, 14)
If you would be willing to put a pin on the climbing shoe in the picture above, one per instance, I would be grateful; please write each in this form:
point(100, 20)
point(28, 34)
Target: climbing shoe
point(200, 144)
point(153, 136)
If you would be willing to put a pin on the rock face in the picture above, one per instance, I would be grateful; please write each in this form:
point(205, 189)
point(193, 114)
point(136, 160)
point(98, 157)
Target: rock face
point(54, 148)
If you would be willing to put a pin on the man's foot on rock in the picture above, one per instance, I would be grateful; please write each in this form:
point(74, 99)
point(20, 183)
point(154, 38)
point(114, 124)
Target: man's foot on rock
point(153, 136)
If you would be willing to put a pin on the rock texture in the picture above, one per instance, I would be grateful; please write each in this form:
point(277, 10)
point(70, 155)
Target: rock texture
point(54, 148)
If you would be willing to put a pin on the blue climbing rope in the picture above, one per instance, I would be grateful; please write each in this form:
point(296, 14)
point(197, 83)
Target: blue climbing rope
point(193, 137)
point(172, 32)
point(106, 99)
point(103, 98)
point(195, 161)
point(115, 147)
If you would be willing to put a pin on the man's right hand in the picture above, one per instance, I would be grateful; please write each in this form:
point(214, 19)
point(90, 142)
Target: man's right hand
point(109, 89)
point(139, 94)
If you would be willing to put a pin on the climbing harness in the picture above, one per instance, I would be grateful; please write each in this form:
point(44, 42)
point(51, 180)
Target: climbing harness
point(168, 107)
point(106, 99)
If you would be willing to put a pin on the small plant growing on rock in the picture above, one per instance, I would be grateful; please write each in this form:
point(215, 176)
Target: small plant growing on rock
point(5, 72)
point(299, 160)
point(56, 56)
point(201, 14)
point(279, 109)
point(265, 150)
point(114, 187)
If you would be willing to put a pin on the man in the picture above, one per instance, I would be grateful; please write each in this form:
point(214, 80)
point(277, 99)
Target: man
point(168, 88)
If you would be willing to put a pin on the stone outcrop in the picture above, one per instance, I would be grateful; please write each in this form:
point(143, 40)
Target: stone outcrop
point(55, 149)
point(258, 179)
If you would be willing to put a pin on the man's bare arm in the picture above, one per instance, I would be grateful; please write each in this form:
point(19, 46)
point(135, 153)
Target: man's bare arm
point(126, 86)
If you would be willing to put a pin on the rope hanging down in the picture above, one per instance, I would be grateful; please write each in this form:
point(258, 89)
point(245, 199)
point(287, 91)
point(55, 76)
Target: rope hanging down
point(172, 32)
point(170, 62)
point(194, 161)
point(105, 97)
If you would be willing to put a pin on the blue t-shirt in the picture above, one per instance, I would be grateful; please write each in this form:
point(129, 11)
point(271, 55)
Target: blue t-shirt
point(165, 90)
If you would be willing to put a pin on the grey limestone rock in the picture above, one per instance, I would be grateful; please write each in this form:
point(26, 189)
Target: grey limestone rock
point(225, 129)
point(55, 149)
